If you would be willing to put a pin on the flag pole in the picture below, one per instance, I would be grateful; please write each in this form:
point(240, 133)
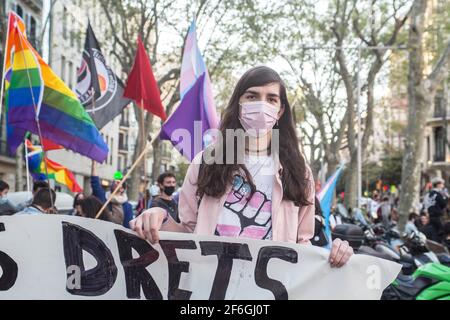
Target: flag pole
point(28, 168)
point(3, 71)
point(143, 148)
point(37, 122)
point(102, 209)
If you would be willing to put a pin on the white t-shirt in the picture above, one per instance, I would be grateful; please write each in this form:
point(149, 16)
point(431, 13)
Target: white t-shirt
point(245, 216)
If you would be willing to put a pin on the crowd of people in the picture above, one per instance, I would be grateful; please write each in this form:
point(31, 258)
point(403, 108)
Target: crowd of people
point(431, 219)
point(119, 210)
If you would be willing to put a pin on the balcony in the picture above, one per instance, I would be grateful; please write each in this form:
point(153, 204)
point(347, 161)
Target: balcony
point(123, 147)
point(125, 123)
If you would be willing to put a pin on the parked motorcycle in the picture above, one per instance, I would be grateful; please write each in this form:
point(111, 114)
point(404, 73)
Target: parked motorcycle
point(429, 282)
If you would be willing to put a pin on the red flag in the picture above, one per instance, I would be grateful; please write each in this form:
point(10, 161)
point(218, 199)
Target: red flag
point(141, 84)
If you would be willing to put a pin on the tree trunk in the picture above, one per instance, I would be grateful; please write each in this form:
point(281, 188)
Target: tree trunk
point(157, 154)
point(351, 184)
point(419, 101)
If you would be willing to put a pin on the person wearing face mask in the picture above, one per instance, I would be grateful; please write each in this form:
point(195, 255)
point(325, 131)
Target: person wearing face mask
point(166, 183)
point(263, 190)
point(119, 207)
point(6, 207)
point(435, 202)
point(41, 204)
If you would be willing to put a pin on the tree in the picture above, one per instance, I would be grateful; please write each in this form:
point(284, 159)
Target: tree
point(324, 120)
point(421, 91)
point(371, 32)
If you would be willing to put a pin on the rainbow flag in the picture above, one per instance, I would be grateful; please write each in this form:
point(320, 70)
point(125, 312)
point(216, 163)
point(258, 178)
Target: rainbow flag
point(36, 95)
point(56, 171)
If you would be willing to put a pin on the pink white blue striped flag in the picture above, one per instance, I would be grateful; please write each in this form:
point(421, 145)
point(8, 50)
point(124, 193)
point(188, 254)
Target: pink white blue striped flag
point(325, 197)
point(194, 77)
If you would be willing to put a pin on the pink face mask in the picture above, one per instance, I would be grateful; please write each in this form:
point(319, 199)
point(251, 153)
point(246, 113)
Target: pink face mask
point(260, 116)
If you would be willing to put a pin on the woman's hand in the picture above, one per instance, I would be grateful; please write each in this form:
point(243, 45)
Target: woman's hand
point(340, 253)
point(148, 224)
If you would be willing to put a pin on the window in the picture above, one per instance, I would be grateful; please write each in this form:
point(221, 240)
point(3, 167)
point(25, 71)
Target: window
point(121, 141)
point(72, 31)
point(70, 75)
point(79, 39)
point(439, 106)
point(33, 32)
point(63, 68)
point(439, 144)
point(19, 11)
point(64, 23)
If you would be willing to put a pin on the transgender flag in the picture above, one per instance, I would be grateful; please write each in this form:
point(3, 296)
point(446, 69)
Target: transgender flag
point(197, 103)
point(325, 197)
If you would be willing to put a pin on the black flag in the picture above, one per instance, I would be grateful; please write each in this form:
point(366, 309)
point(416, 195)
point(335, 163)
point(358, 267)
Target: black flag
point(98, 87)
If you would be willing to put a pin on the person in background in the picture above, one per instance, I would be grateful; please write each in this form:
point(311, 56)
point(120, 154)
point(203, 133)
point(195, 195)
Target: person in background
point(410, 226)
point(384, 212)
point(154, 192)
point(42, 203)
point(37, 185)
point(425, 227)
point(121, 210)
point(446, 240)
point(90, 206)
point(144, 202)
point(76, 204)
point(167, 183)
point(7, 208)
point(435, 202)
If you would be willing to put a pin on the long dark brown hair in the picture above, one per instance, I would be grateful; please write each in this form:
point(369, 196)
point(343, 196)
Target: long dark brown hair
point(214, 178)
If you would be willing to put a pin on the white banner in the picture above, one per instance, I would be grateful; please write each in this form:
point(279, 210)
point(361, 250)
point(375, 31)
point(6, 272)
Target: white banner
point(61, 257)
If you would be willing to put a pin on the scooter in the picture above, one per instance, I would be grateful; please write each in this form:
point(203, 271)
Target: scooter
point(429, 282)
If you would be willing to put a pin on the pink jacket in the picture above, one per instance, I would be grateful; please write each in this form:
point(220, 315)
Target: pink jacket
point(290, 223)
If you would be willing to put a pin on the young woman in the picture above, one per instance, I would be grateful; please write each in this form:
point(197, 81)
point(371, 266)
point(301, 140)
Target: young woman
point(266, 192)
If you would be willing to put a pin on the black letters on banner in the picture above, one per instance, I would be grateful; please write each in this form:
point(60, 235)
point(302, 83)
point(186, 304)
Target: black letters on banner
point(225, 252)
point(176, 267)
point(262, 279)
point(135, 272)
point(98, 280)
point(9, 269)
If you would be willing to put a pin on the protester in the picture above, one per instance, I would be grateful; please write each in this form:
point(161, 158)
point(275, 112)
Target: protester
point(76, 204)
point(37, 185)
point(410, 226)
point(121, 210)
point(90, 206)
point(167, 182)
point(144, 201)
point(384, 212)
point(446, 240)
point(42, 203)
point(335, 216)
point(435, 202)
point(239, 199)
point(7, 208)
point(426, 228)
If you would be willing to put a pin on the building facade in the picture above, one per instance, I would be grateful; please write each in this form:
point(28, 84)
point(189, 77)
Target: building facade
point(66, 36)
point(31, 13)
